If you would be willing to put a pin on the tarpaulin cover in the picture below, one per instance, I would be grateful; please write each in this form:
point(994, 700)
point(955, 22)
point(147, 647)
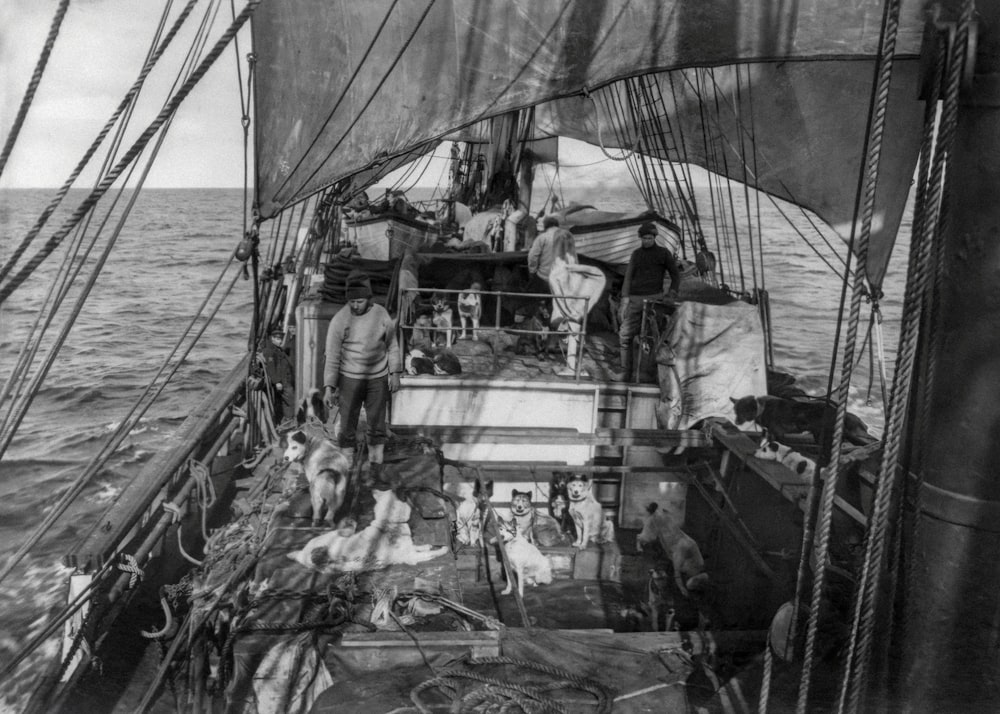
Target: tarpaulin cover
point(711, 353)
point(343, 85)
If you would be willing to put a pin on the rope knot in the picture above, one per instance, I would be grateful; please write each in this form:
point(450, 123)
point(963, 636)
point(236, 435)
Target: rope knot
point(129, 564)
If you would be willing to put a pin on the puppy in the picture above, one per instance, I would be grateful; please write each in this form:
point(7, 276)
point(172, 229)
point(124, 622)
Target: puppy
point(523, 514)
point(780, 417)
point(588, 517)
point(559, 505)
point(470, 309)
point(683, 551)
point(417, 361)
point(529, 564)
point(442, 318)
point(793, 460)
point(326, 470)
point(469, 514)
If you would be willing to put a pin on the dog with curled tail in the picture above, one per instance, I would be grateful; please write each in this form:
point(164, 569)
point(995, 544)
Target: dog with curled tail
point(327, 469)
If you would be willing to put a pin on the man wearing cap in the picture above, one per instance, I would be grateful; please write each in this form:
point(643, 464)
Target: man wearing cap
point(649, 264)
point(362, 367)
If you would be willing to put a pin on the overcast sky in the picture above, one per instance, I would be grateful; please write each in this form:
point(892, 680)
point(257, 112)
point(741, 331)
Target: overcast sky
point(97, 57)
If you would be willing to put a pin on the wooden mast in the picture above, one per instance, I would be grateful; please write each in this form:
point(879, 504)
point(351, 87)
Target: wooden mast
point(949, 654)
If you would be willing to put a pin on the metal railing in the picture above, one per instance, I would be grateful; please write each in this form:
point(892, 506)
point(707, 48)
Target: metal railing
point(407, 327)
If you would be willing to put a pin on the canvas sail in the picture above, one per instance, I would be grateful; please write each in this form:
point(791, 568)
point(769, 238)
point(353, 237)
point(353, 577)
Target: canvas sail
point(342, 85)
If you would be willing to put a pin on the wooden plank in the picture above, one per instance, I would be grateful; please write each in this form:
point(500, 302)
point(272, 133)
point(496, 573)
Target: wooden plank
point(115, 524)
point(444, 434)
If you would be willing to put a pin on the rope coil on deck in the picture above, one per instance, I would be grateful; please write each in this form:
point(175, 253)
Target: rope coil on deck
point(505, 694)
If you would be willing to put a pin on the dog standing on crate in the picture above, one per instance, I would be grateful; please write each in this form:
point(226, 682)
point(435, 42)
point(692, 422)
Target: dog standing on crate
point(470, 309)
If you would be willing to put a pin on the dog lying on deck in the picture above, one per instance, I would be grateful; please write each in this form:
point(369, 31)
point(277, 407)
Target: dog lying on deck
point(386, 541)
point(780, 417)
point(793, 460)
point(683, 551)
point(327, 470)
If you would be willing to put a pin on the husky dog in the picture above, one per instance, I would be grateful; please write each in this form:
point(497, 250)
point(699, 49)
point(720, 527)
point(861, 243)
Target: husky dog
point(469, 514)
point(683, 551)
point(442, 319)
point(470, 308)
point(326, 470)
point(417, 361)
point(386, 541)
point(659, 600)
point(420, 336)
point(538, 322)
point(523, 514)
point(312, 408)
point(793, 460)
point(588, 517)
point(559, 504)
point(780, 417)
point(528, 563)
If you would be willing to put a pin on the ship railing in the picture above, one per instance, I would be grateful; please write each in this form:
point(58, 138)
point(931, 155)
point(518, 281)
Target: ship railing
point(576, 336)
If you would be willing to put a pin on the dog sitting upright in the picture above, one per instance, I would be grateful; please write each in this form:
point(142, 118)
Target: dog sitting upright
point(529, 564)
point(683, 551)
point(442, 319)
point(523, 513)
point(588, 516)
point(327, 470)
point(470, 309)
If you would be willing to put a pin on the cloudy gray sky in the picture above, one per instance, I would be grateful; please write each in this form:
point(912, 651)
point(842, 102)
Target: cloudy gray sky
point(96, 58)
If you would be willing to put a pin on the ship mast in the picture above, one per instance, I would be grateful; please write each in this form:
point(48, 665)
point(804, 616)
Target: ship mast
point(949, 650)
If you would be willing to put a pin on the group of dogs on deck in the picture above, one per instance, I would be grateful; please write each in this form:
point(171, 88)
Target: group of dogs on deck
point(574, 516)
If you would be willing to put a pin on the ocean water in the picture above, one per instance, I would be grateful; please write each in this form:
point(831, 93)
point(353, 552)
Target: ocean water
point(174, 247)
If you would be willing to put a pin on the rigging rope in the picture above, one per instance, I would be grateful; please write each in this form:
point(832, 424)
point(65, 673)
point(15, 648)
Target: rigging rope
point(921, 252)
point(36, 79)
point(168, 111)
point(126, 102)
point(831, 472)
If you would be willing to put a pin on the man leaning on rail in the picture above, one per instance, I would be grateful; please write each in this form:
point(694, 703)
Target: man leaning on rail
point(362, 367)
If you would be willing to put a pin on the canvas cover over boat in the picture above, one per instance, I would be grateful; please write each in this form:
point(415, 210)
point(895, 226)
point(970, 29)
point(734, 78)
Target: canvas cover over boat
point(344, 87)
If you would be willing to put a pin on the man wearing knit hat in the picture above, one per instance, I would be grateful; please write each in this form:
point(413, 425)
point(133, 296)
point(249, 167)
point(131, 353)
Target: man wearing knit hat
point(362, 367)
point(649, 264)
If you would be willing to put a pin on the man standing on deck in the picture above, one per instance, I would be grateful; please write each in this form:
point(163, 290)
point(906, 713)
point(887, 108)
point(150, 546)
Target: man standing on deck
point(362, 367)
point(541, 254)
point(649, 264)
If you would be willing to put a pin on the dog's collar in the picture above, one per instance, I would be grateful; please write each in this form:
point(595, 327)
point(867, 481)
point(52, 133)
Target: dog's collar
point(581, 498)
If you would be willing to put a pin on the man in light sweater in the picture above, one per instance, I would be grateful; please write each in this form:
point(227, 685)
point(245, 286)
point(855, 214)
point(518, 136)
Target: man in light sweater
point(362, 367)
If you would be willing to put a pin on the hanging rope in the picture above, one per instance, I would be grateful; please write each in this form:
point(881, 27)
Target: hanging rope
point(165, 114)
point(916, 288)
point(127, 101)
point(36, 79)
point(831, 472)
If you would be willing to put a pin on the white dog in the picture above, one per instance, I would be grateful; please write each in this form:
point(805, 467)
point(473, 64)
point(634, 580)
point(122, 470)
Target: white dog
point(327, 470)
point(793, 460)
point(529, 564)
point(470, 309)
point(386, 541)
point(587, 514)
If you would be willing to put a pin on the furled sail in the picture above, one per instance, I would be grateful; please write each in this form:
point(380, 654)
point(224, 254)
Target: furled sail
point(342, 85)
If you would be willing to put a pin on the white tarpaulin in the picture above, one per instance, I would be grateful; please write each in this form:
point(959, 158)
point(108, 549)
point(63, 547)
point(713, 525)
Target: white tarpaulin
point(711, 353)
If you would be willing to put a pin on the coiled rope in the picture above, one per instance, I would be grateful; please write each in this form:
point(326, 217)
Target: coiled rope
point(503, 694)
point(831, 472)
point(36, 79)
